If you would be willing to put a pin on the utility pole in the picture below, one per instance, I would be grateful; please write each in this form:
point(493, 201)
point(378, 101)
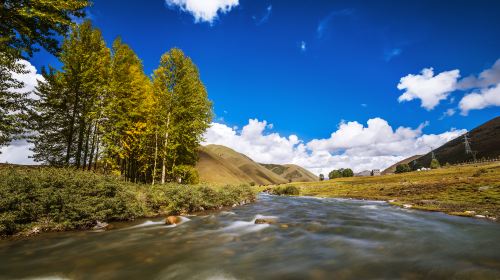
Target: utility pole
point(432, 153)
point(468, 149)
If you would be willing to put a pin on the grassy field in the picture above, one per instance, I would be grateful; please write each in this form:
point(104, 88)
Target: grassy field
point(51, 199)
point(460, 190)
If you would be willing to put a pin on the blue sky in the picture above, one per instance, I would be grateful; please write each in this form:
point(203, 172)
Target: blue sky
point(305, 67)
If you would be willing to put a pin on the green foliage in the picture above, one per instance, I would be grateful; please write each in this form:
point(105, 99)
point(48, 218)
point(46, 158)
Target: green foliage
point(183, 110)
point(435, 164)
point(347, 172)
point(402, 168)
point(321, 177)
point(342, 172)
point(30, 23)
point(186, 174)
point(285, 190)
point(65, 199)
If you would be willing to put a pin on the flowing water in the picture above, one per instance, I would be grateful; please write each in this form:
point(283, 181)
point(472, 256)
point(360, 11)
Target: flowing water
point(313, 239)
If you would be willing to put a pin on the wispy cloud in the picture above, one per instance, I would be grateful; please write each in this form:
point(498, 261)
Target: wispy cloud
point(322, 29)
point(264, 17)
point(303, 46)
point(392, 53)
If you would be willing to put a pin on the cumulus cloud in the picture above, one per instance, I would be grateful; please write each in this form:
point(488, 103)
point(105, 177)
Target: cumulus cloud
point(203, 10)
point(30, 78)
point(481, 91)
point(486, 78)
point(17, 152)
point(354, 145)
point(428, 88)
point(486, 97)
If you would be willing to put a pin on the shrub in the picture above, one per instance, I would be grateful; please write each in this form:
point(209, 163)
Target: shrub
point(402, 168)
point(285, 190)
point(435, 164)
point(347, 172)
point(66, 199)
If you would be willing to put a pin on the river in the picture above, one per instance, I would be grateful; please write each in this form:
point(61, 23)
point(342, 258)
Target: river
point(313, 239)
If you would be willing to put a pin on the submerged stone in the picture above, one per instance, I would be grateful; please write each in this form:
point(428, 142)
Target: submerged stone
point(173, 220)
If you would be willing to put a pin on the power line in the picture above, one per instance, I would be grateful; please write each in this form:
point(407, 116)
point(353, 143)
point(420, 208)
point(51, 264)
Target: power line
point(468, 149)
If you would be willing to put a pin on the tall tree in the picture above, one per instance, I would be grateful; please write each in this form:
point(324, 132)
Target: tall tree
point(184, 111)
point(80, 89)
point(128, 109)
point(24, 25)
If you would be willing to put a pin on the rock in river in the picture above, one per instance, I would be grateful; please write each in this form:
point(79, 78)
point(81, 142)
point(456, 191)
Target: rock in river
point(100, 226)
point(173, 220)
point(266, 220)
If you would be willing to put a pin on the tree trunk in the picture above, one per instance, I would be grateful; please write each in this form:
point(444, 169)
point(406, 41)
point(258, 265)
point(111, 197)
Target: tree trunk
point(71, 129)
point(156, 156)
point(163, 168)
point(86, 150)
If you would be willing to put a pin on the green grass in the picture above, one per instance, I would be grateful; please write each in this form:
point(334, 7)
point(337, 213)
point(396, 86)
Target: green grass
point(64, 199)
point(453, 190)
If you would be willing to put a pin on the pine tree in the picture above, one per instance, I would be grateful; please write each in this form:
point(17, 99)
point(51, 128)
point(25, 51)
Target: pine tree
point(184, 111)
point(79, 88)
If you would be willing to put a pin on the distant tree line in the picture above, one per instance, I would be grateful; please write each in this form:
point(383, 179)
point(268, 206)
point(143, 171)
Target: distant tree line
point(342, 172)
point(100, 111)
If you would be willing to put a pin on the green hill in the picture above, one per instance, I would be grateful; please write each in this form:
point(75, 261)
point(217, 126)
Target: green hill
point(391, 169)
point(291, 172)
point(221, 165)
point(484, 140)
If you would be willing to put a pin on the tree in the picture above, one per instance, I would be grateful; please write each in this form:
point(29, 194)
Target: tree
point(321, 177)
point(30, 23)
point(184, 111)
point(74, 96)
point(347, 172)
point(334, 174)
point(434, 164)
point(402, 168)
point(127, 110)
point(26, 24)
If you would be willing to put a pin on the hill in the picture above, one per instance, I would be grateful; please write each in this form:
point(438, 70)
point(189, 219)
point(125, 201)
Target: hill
point(391, 169)
point(291, 172)
point(221, 165)
point(484, 139)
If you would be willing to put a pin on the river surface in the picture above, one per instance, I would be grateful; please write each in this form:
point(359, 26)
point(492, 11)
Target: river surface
point(313, 239)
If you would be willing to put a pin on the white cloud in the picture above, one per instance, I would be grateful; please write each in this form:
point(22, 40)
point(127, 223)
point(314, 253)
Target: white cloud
point(486, 78)
point(428, 88)
point(30, 78)
point(486, 97)
point(204, 10)
point(17, 152)
point(376, 145)
point(448, 113)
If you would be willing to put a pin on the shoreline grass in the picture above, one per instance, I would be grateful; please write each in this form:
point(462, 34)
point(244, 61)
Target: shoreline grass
point(57, 199)
point(472, 190)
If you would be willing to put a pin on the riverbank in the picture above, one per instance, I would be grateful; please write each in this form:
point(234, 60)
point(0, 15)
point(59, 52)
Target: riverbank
point(34, 200)
point(472, 190)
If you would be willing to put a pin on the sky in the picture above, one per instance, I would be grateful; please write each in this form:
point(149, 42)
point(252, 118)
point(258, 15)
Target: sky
point(322, 84)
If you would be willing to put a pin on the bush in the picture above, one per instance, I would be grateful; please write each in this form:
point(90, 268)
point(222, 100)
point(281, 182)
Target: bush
point(285, 190)
point(402, 168)
point(65, 199)
point(347, 172)
point(339, 173)
point(435, 164)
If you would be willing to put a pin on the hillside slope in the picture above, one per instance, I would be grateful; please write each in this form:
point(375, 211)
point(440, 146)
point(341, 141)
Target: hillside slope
point(484, 139)
point(221, 165)
point(291, 172)
point(391, 169)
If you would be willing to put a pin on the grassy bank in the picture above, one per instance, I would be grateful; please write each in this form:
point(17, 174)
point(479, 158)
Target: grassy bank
point(461, 190)
point(52, 199)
